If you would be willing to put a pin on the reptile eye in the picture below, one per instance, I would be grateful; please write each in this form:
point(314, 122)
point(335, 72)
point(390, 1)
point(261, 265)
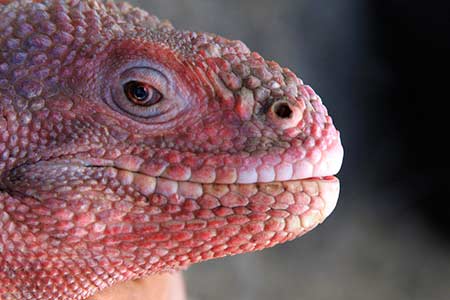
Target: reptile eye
point(141, 93)
point(145, 94)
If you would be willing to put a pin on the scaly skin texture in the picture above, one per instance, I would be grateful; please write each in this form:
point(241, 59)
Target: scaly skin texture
point(236, 154)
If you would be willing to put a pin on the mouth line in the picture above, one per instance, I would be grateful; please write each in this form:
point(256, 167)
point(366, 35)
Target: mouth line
point(53, 173)
point(94, 163)
point(27, 179)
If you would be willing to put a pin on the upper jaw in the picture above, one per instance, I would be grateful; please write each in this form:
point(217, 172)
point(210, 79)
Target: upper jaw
point(316, 163)
point(292, 164)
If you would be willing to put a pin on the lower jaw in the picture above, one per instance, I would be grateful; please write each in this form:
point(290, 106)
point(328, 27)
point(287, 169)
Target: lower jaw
point(239, 217)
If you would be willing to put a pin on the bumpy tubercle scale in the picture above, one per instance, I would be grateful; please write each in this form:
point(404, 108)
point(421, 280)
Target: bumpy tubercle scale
point(90, 196)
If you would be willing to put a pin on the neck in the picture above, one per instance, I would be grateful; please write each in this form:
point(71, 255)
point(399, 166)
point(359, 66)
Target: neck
point(157, 287)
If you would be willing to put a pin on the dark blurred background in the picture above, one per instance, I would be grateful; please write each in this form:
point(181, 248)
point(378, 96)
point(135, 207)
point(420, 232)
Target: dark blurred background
point(377, 67)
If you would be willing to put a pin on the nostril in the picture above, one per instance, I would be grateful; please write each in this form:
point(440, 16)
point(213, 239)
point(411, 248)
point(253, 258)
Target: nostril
point(285, 113)
point(282, 110)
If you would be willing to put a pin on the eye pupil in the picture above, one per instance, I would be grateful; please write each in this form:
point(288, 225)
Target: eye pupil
point(141, 94)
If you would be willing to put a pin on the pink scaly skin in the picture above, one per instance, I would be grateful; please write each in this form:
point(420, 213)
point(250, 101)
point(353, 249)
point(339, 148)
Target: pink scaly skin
point(129, 148)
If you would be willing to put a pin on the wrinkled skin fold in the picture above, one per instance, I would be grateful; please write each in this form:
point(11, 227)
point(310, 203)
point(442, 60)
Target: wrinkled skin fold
point(129, 148)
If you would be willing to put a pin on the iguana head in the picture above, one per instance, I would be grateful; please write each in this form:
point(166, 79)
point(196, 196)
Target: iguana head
point(128, 148)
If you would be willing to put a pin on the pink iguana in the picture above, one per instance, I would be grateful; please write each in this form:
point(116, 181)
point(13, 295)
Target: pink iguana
point(129, 148)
